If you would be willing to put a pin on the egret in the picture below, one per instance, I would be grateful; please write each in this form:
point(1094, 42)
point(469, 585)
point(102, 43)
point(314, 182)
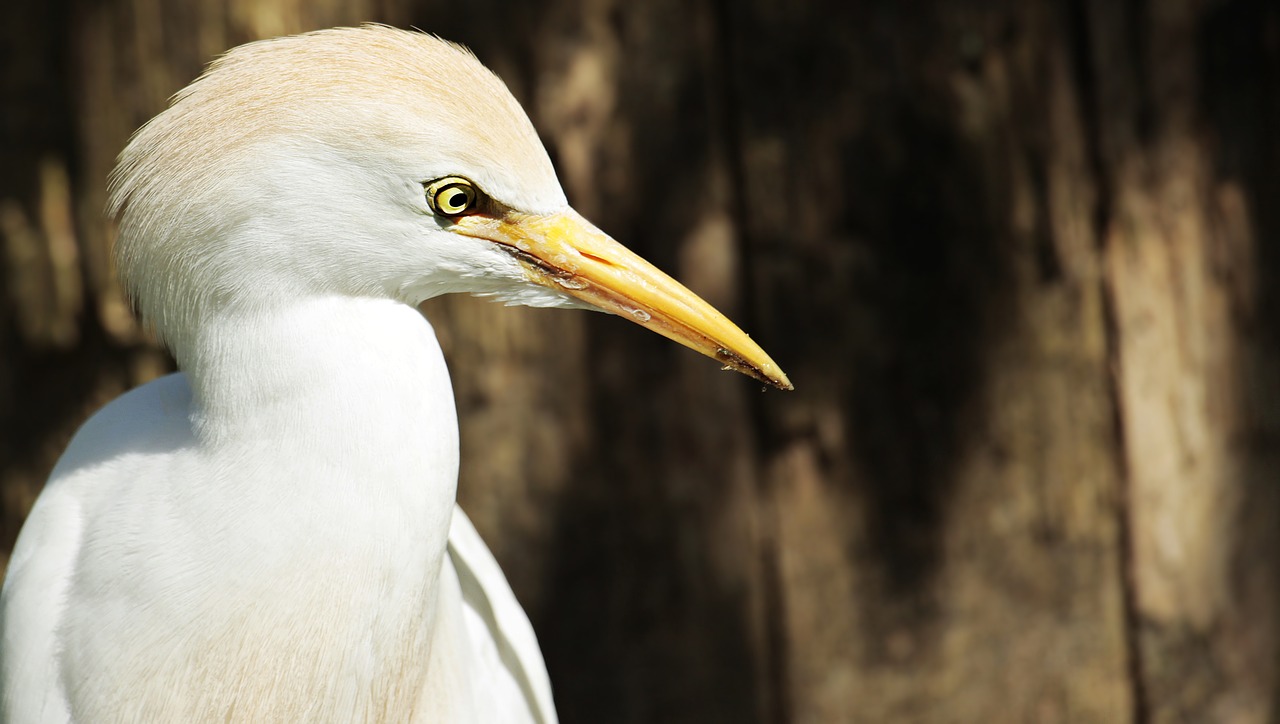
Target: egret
point(271, 533)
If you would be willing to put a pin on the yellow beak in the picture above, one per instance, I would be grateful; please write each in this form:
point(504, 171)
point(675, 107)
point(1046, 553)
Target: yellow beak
point(566, 252)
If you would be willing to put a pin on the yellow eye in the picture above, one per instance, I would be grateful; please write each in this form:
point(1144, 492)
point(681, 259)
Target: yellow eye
point(452, 196)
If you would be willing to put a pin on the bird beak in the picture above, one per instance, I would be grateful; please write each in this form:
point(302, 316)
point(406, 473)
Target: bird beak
point(567, 253)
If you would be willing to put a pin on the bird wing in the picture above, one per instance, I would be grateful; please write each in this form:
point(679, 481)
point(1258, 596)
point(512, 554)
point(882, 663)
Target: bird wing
point(497, 615)
point(88, 478)
point(30, 606)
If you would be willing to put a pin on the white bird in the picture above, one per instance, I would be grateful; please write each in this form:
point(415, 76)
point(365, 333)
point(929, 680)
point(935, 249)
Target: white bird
point(271, 534)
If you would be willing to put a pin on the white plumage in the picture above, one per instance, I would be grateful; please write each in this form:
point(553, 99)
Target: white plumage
point(271, 534)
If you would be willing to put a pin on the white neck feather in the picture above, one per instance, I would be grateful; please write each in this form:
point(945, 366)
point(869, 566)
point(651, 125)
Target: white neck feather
point(360, 385)
point(332, 425)
point(350, 372)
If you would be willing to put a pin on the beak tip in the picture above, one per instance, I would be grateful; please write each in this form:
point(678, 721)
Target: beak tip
point(757, 366)
point(779, 379)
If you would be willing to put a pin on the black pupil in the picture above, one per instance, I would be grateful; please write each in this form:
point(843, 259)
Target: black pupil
point(457, 199)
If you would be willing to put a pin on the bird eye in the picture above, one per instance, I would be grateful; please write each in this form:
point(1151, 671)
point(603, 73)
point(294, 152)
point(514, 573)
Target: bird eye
point(451, 196)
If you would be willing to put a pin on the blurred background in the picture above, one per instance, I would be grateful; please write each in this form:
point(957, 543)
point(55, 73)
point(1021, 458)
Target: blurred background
point(1021, 260)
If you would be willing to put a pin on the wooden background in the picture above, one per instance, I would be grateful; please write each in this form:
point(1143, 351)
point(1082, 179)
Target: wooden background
point(1021, 259)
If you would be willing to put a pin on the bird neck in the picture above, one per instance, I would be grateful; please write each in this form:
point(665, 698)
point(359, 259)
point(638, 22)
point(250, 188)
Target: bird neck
point(342, 402)
point(357, 361)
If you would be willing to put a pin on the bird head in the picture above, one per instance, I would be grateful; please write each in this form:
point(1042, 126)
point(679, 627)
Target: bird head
point(371, 162)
